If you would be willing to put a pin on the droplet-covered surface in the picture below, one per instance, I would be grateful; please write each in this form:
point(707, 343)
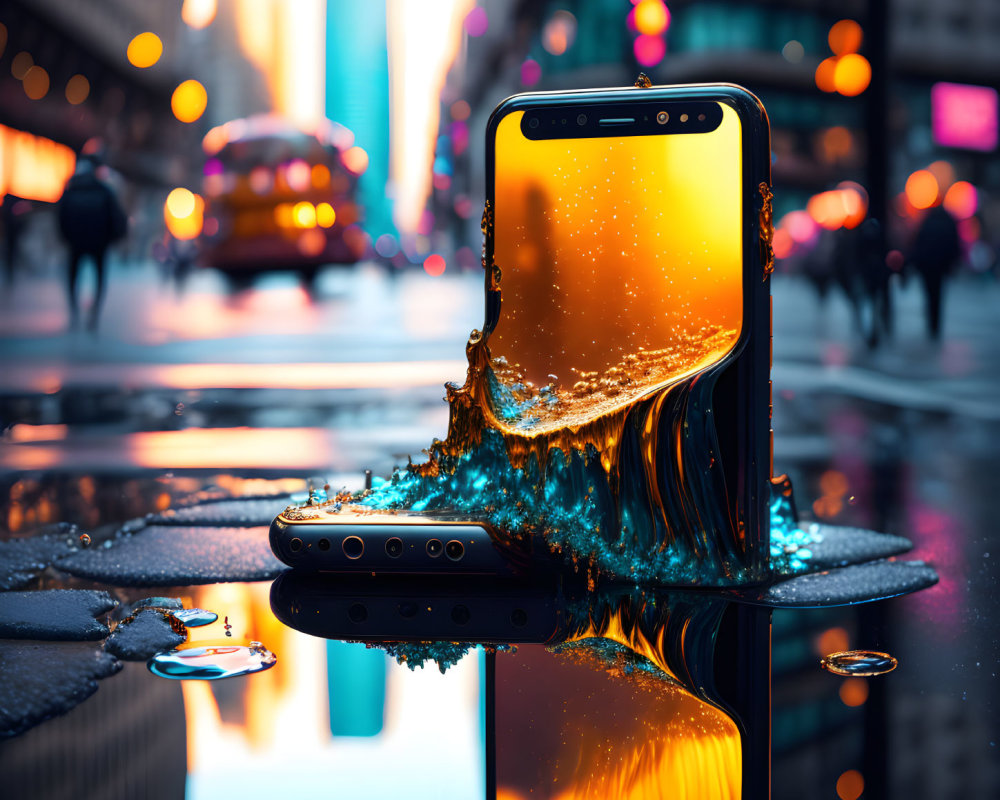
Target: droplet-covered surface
point(841, 546)
point(858, 583)
point(161, 555)
point(149, 632)
point(212, 661)
point(22, 559)
point(42, 680)
point(54, 614)
point(859, 663)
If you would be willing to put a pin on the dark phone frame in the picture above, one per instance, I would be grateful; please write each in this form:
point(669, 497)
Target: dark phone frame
point(742, 397)
point(743, 391)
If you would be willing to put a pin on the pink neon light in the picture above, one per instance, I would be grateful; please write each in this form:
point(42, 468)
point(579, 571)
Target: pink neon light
point(964, 116)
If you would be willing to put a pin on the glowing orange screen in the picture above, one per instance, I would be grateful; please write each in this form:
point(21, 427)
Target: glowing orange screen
point(609, 245)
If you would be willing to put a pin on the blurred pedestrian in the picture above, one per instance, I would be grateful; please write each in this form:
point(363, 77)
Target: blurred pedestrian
point(936, 248)
point(14, 213)
point(90, 219)
point(875, 275)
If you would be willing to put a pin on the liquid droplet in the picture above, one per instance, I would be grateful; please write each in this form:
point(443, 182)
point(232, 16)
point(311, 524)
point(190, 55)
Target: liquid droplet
point(859, 663)
point(84, 540)
point(179, 409)
point(229, 628)
point(194, 617)
point(212, 662)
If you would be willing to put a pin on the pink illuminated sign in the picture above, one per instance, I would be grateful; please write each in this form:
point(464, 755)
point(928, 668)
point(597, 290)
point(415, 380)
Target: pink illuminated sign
point(964, 116)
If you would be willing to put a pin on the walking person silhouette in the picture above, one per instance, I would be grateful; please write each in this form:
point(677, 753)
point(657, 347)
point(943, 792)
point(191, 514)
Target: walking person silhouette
point(90, 219)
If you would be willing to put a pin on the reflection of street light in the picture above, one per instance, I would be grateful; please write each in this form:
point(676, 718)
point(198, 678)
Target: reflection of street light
point(189, 101)
point(852, 75)
point(144, 50)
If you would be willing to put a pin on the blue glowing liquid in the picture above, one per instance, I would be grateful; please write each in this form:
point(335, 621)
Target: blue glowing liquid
point(194, 617)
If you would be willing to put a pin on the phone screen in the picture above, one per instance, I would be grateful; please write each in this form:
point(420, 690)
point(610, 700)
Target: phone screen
point(569, 726)
point(614, 245)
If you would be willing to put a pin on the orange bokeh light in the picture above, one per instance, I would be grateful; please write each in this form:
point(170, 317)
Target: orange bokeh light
point(355, 159)
point(183, 213)
point(304, 215)
point(852, 74)
point(844, 207)
point(36, 83)
point(189, 101)
point(144, 50)
point(833, 482)
point(845, 37)
point(77, 89)
point(832, 640)
point(824, 74)
point(854, 692)
point(651, 17)
point(922, 189)
point(325, 215)
point(961, 200)
point(320, 176)
point(850, 785)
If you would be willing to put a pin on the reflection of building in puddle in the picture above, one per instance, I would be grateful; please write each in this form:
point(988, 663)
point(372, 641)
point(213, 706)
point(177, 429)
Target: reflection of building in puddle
point(127, 740)
point(273, 730)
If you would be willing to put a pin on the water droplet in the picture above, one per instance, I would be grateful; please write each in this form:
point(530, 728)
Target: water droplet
point(179, 409)
point(194, 617)
point(229, 628)
point(212, 662)
point(84, 540)
point(862, 663)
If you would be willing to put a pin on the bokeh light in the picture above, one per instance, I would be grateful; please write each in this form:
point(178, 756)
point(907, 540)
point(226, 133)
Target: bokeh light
point(531, 72)
point(199, 13)
point(434, 265)
point(36, 83)
point(320, 176)
point(325, 215)
point(304, 215)
point(793, 51)
point(77, 89)
point(386, 245)
point(20, 64)
point(559, 33)
point(183, 213)
point(298, 175)
point(460, 110)
point(824, 74)
point(944, 173)
point(651, 17)
point(189, 101)
point(922, 189)
point(782, 244)
point(800, 226)
point(850, 785)
point(961, 200)
point(649, 50)
point(477, 22)
point(144, 50)
point(180, 202)
point(845, 37)
point(852, 74)
point(355, 159)
point(854, 692)
point(832, 640)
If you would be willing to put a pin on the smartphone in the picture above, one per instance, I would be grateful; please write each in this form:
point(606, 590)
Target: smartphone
point(628, 258)
point(362, 541)
point(618, 396)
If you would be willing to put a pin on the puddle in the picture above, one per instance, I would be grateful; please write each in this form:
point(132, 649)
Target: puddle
point(859, 663)
point(212, 662)
point(195, 617)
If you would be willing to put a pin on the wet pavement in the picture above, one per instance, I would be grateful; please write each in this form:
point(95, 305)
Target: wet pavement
point(256, 391)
